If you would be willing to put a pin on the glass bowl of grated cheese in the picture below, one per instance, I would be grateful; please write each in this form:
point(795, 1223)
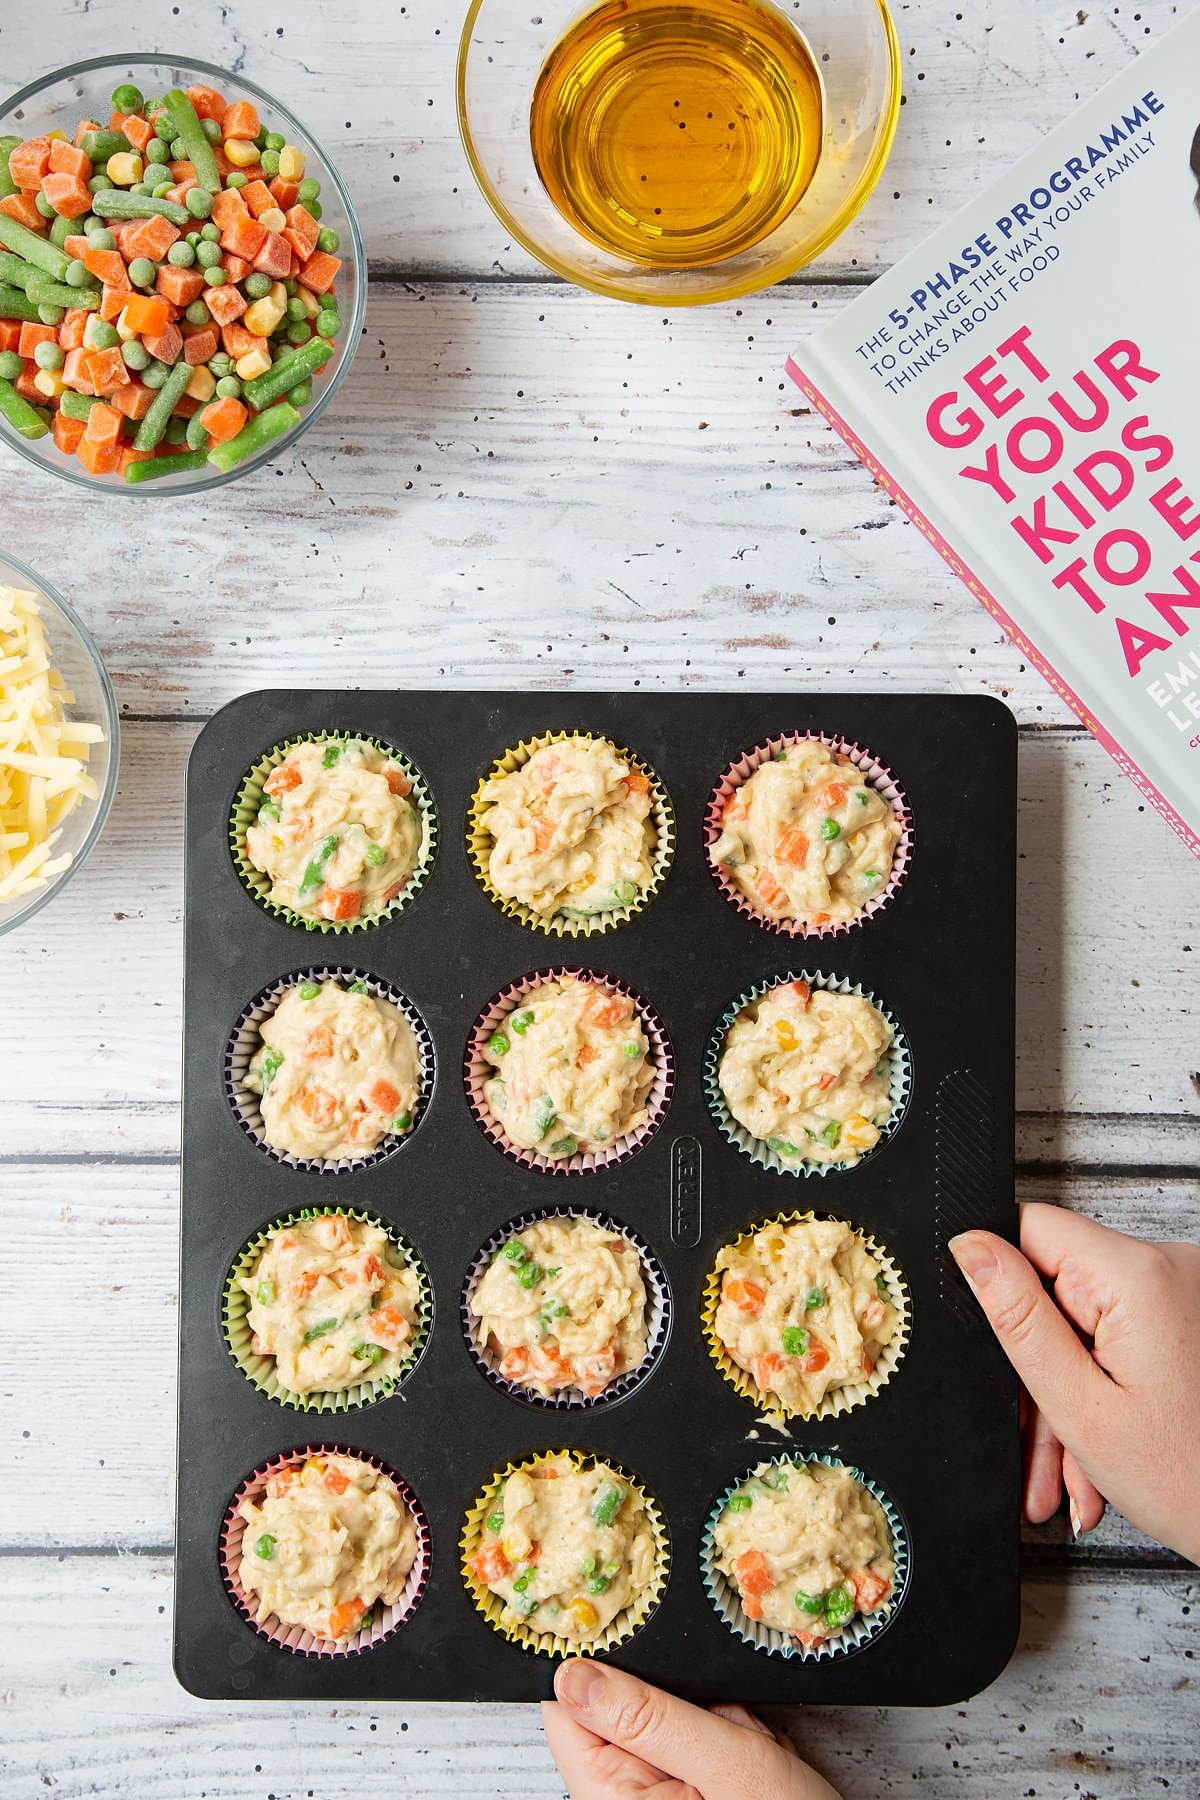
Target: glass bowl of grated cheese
point(59, 743)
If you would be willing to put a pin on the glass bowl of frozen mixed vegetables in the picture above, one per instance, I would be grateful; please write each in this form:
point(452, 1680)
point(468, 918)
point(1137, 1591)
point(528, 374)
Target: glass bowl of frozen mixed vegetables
point(182, 277)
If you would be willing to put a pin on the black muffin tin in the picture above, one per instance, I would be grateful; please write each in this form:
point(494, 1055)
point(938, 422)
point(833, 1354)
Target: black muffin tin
point(942, 1436)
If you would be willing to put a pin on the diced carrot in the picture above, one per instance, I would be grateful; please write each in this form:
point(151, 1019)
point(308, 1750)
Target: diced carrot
point(822, 918)
point(66, 432)
point(768, 889)
point(373, 1270)
point(802, 992)
point(398, 782)
point(224, 303)
point(752, 1574)
point(10, 333)
point(151, 238)
point(28, 162)
point(285, 193)
point(236, 267)
point(637, 783)
point(280, 1482)
point(130, 455)
point(166, 345)
point(345, 1618)
point(335, 1481)
point(868, 1364)
point(23, 208)
point(764, 1368)
point(75, 371)
point(319, 1105)
point(873, 1314)
point(588, 1053)
point(134, 401)
point(817, 1357)
point(208, 103)
point(810, 1639)
point(146, 314)
point(70, 332)
point(320, 272)
point(514, 1363)
point(183, 170)
point(257, 197)
point(274, 257)
point(792, 848)
point(181, 286)
point(227, 206)
point(301, 229)
point(98, 459)
point(304, 1285)
point(603, 1009)
point(75, 245)
point(32, 335)
point(199, 346)
point(594, 1371)
point(24, 385)
point(67, 195)
point(68, 159)
point(396, 887)
point(243, 236)
point(318, 1042)
point(752, 1606)
point(85, 125)
point(107, 266)
point(747, 1296)
point(112, 302)
point(388, 1325)
point(223, 419)
point(282, 779)
point(138, 130)
point(240, 121)
point(103, 424)
point(869, 1589)
point(385, 1098)
point(832, 796)
point(294, 271)
point(490, 1563)
point(107, 370)
point(340, 903)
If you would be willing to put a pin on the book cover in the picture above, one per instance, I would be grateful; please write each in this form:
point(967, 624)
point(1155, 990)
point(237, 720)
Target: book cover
point(1027, 386)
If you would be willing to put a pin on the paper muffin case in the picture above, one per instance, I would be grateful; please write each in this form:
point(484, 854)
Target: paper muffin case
point(757, 1149)
point(386, 1619)
point(548, 1643)
point(864, 1627)
point(875, 775)
point(658, 1312)
point(477, 1070)
point(261, 1370)
point(557, 925)
point(839, 1400)
point(244, 1041)
point(250, 798)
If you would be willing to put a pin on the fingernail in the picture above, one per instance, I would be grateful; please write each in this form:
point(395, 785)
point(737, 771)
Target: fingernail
point(974, 1258)
point(580, 1682)
point(1076, 1521)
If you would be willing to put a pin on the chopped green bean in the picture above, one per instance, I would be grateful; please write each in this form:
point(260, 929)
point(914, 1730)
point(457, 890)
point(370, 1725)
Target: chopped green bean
point(565, 1146)
point(151, 429)
point(782, 1147)
point(795, 1341)
point(881, 1287)
point(25, 420)
point(314, 872)
point(321, 1329)
point(184, 123)
point(831, 1133)
point(610, 1498)
point(119, 203)
point(14, 270)
point(44, 291)
point(37, 250)
point(76, 406)
point(838, 1607)
point(16, 304)
point(287, 372)
point(264, 1293)
point(358, 987)
point(157, 468)
point(7, 185)
point(740, 1502)
point(254, 436)
point(272, 1059)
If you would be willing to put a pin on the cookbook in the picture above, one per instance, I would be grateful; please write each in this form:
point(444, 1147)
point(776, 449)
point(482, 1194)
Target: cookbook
point(1026, 386)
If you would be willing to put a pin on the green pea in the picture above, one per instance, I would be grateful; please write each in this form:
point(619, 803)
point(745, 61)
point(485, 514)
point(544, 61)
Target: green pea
point(221, 364)
point(208, 255)
point(229, 388)
point(157, 151)
point(308, 188)
point(330, 755)
point(815, 1297)
point(274, 141)
point(198, 314)
point(589, 1566)
point(779, 1478)
point(215, 277)
point(101, 239)
point(49, 356)
point(838, 1607)
point(862, 798)
point(181, 255)
point(270, 162)
point(809, 1603)
point(99, 183)
point(256, 286)
point(544, 1115)
point(51, 315)
point(175, 432)
point(358, 987)
point(209, 233)
point(832, 1133)
point(103, 335)
point(740, 1502)
point(515, 1252)
point(498, 1044)
point(211, 129)
point(155, 175)
point(522, 1582)
point(142, 272)
point(376, 855)
point(881, 1287)
point(269, 810)
point(565, 1146)
point(598, 1584)
point(521, 1021)
point(12, 366)
point(830, 829)
point(301, 394)
point(624, 893)
point(309, 990)
point(611, 1569)
point(139, 187)
point(78, 274)
point(795, 1341)
point(870, 877)
point(328, 241)
point(264, 1549)
point(298, 331)
point(264, 1293)
point(43, 205)
point(199, 202)
point(235, 179)
point(295, 308)
point(371, 1353)
point(402, 1122)
point(155, 373)
point(328, 324)
point(631, 1050)
point(127, 98)
point(530, 1274)
point(495, 1522)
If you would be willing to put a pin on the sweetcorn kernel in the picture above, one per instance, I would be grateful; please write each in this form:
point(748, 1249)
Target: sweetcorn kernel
point(125, 331)
point(785, 1037)
point(124, 168)
point(516, 1546)
point(273, 219)
point(241, 152)
point(255, 362)
point(291, 163)
point(265, 314)
point(585, 1612)
point(859, 1133)
point(202, 385)
point(309, 302)
point(49, 382)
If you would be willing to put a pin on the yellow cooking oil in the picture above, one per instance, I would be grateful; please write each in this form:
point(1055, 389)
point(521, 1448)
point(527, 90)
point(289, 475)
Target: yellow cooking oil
point(677, 136)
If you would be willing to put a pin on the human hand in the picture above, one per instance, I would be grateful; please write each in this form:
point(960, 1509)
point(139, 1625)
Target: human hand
point(1112, 1369)
point(617, 1738)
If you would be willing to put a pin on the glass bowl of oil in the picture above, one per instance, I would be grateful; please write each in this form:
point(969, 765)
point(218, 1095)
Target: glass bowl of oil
point(672, 153)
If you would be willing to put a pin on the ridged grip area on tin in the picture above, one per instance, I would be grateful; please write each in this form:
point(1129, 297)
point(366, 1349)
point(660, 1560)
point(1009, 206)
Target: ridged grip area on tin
point(964, 1178)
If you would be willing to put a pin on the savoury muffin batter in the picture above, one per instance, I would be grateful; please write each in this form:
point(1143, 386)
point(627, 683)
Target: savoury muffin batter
point(805, 838)
point(570, 829)
point(563, 1305)
point(330, 1305)
point(805, 1070)
point(566, 1548)
point(325, 1543)
point(807, 1547)
point(804, 1309)
point(337, 1071)
point(337, 832)
point(573, 1070)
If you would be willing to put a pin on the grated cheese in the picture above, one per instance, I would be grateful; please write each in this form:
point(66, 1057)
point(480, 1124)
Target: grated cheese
point(43, 754)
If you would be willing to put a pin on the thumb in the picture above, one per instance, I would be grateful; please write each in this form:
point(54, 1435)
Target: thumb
point(1066, 1384)
point(720, 1759)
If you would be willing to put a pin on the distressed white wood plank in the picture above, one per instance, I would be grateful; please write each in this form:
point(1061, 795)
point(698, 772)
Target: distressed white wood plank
point(109, 1234)
point(1099, 1701)
point(982, 85)
point(94, 987)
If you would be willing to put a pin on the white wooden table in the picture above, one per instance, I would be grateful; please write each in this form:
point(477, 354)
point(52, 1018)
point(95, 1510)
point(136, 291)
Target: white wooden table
point(526, 485)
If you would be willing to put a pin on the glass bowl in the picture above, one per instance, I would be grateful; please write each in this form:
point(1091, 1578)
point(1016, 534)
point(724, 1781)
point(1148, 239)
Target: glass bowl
point(77, 659)
point(84, 90)
point(503, 47)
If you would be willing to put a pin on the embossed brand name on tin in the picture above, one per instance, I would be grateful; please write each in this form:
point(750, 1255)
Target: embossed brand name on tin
point(685, 1192)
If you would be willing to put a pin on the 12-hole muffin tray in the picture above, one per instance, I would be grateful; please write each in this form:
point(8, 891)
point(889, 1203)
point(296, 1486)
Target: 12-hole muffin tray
point(937, 1441)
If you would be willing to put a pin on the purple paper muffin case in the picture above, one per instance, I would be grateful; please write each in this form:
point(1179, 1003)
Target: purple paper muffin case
point(477, 1070)
point(875, 774)
point(386, 1619)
